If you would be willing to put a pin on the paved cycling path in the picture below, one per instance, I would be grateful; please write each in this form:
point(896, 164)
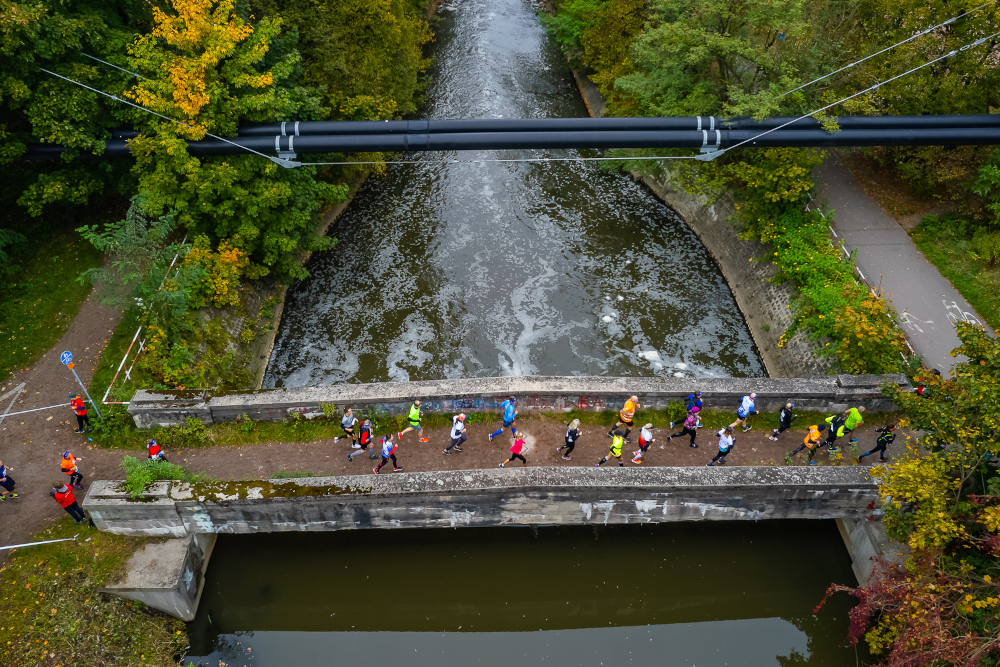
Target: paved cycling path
point(927, 304)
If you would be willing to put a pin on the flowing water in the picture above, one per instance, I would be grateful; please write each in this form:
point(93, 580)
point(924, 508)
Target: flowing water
point(483, 269)
point(683, 594)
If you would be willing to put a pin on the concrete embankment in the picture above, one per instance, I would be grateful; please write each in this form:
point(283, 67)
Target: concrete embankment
point(766, 307)
point(510, 497)
point(535, 394)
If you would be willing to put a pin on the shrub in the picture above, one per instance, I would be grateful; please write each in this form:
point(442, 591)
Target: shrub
point(139, 474)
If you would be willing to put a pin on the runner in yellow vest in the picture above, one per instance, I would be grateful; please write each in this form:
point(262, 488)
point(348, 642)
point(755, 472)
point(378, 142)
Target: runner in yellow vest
point(625, 416)
point(414, 417)
point(617, 440)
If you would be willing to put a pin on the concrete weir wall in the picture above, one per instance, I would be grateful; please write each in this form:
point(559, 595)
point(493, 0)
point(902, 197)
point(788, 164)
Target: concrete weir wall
point(535, 393)
point(518, 497)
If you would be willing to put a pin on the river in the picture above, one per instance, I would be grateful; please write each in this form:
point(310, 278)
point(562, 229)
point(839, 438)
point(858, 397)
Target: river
point(507, 268)
point(680, 594)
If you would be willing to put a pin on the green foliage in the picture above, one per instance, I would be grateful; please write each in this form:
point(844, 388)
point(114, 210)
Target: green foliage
point(38, 303)
point(950, 243)
point(137, 250)
point(139, 474)
point(285, 474)
point(11, 243)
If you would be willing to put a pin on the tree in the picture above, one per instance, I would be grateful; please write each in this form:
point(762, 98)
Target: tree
point(204, 68)
point(943, 500)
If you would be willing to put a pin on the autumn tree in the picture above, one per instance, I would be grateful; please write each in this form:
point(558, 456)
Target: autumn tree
point(207, 68)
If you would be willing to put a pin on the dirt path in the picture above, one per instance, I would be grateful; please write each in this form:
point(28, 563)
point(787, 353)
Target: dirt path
point(325, 457)
point(32, 444)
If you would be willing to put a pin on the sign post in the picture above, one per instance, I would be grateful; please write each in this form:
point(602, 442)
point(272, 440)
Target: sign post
point(67, 359)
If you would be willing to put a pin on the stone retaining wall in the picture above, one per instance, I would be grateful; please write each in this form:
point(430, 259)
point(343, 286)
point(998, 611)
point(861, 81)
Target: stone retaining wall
point(509, 497)
point(534, 393)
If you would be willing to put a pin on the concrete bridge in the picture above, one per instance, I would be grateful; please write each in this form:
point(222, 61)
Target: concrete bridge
point(170, 575)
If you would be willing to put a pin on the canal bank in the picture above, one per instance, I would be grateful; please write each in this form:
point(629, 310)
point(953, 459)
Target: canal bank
point(766, 307)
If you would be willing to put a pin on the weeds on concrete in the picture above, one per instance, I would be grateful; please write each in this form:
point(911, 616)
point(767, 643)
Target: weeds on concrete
point(53, 614)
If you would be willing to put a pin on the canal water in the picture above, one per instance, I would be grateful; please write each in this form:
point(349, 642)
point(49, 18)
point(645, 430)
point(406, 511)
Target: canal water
point(485, 269)
point(681, 594)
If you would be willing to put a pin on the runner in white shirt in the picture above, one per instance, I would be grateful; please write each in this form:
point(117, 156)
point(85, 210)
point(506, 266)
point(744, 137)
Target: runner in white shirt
point(458, 435)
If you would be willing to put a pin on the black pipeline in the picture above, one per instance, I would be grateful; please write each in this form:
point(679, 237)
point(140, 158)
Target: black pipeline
point(695, 123)
point(705, 140)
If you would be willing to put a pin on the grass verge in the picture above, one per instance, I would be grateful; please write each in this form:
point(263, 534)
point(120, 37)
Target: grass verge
point(37, 309)
point(54, 616)
point(947, 243)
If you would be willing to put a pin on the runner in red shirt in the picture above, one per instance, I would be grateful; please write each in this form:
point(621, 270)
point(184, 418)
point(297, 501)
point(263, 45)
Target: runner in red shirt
point(64, 496)
point(81, 413)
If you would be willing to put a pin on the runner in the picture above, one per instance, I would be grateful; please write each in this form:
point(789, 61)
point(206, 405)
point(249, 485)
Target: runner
point(572, 435)
point(810, 442)
point(837, 428)
point(617, 440)
point(784, 421)
point(365, 439)
point(886, 436)
point(854, 420)
point(458, 435)
point(155, 451)
point(625, 416)
point(80, 408)
point(726, 442)
point(515, 453)
point(347, 426)
point(747, 408)
point(509, 416)
point(645, 440)
point(690, 427)
point(7, 482)
point(415, 416)
point(388, 452)
point(69, 468)
point(64, 496)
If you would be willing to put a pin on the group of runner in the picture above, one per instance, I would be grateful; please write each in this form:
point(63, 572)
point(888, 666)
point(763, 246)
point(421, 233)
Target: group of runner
point(836, 426)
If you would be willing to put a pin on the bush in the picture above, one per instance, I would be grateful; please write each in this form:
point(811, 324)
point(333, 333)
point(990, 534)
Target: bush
point(140, 474)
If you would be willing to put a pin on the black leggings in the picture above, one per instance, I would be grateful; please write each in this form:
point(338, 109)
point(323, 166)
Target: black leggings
point(782, 428)
point(569, 446)
point(879, 447)
point(721, 455)
point(516, 456)
point(75, 478)
point(458, 441)
point(688, 431)
point(385, 460)
point(81, 420)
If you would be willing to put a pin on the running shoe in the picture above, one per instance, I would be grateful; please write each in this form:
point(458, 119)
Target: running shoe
point(670, 437)
point(3, 496)
point(671, 424)
point(355, 446)
point(558, 449)
point(852, 441)
point(372, 457)
point(458, 448)
point(710, 464)
point(568, 458)
point(77, 486)
point(812, 463)
point(491, 437)
point(597, 465)
point(637, 461)
point(525, 464)
point(399, 435)
point(77, 431)
point(336, 439)
point(424, 439)
point(18, 495)
point(772, 438)
point(694, 445)
point(397, 470)
point(446, 452)
point(699, 425)
point(350, 458)
point(747, 428)
point(611, 434)
point(375, 470)
point(501, 465)
point(834, 450)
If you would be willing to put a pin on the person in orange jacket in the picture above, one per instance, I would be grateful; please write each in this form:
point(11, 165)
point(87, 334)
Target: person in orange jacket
point(69, 468)
point(81, 413)
point(64, 496)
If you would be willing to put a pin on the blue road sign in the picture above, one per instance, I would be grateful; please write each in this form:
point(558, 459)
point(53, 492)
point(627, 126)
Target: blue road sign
point(66, 357)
